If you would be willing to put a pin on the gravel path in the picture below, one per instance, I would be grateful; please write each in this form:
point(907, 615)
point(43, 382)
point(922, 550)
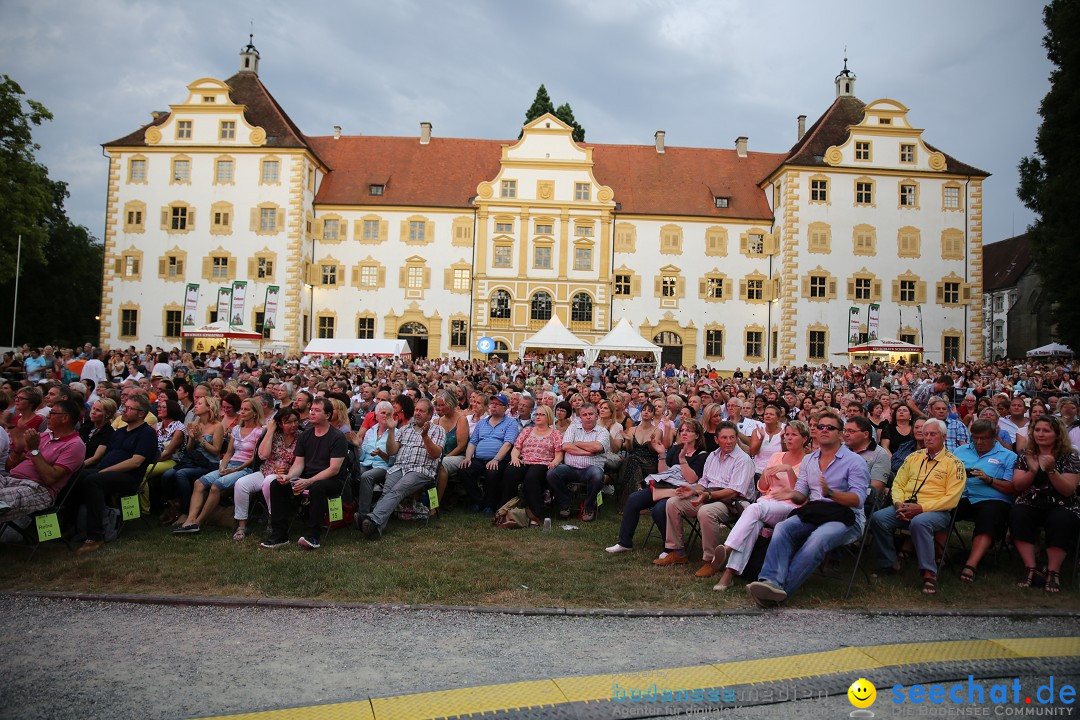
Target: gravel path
point(65, 659)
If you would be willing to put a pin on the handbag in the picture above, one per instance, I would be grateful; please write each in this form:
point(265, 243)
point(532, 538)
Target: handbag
point(819, 512)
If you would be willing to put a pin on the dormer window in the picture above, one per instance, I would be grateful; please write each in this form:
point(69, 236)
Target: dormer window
point(722, 202)
point(884, 121)
point(376, 189)
point(209, 99)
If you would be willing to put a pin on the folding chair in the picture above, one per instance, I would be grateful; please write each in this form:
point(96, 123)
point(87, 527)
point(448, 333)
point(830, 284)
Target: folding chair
point(876, 497)
point(30, 532)
point(144, 483)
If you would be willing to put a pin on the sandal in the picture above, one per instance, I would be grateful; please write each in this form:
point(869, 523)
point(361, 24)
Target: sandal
point(967, 574)
point(1032, 575)
point(929, 584)
point(587, 516)
point(1053, 582)
point(240, 534)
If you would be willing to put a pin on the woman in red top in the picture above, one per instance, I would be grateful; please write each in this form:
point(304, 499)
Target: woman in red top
point(25, 417)
point(538, 448)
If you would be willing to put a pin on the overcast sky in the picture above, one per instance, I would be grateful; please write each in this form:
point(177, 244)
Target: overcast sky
point(972, 72)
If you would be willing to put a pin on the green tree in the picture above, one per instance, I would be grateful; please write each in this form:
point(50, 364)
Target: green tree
point(564, 113)
point(1048, 179)
point(541, 104)
point(26, 193)
point(60, 265)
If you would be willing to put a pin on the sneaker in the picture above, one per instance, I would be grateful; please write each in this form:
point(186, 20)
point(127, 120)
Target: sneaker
point(617, 548)
point(90, 546)
point(272, 544)
point(766, 593)
point(186, 530)
point(308, 543)
point(357, 518)
point(370, 529)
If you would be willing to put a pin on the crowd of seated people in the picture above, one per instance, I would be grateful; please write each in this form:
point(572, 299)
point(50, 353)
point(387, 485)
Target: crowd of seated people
point(802, 458)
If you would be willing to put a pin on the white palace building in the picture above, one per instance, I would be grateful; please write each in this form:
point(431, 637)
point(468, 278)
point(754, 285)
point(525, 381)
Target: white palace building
point(725, 257)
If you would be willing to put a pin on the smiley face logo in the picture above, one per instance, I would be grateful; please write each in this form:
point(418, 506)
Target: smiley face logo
point(862, 693)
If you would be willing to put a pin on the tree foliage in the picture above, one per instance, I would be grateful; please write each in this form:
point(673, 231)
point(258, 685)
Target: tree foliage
point(60, 264)
point(542, 104)
point(1048, 179)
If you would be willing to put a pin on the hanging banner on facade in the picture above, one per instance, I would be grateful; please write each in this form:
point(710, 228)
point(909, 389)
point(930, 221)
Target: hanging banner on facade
point(270, 308)
point(224, 299)
point(239, 295)
point(872, 321)
point(853, 326)
point(191, 304)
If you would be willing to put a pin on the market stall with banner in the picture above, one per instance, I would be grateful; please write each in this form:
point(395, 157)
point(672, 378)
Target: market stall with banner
point(1050, 351)
point(345, 347)
point(883, 349)
point(212, 336)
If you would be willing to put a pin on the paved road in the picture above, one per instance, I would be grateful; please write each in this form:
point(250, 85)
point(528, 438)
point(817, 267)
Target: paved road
point(65, 659)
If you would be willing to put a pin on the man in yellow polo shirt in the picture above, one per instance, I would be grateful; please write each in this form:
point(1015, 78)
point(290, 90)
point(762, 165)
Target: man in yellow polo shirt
point(925, 490)
point(125, 395)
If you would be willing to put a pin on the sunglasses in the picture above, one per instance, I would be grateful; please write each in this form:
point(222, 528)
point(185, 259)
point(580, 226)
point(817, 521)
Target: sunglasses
point(828, 428)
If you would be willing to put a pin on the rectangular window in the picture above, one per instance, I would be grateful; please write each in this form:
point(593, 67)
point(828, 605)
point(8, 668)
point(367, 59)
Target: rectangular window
point(818, 284)
point(862, 288)
point(458, 334)
point(907, 153)
point(137, 171)
point(542, 257)
point(260, 324)
point(172, 323)
point(721, 202)
point(221, 219)
point(543, 228)
point(178, 218)
point(174, 267)
point(183, 130)
point(907, 196)
point(669, 285)
point(816, 350)
point(371, 230)
point(862, 150)
point(134, 218)
point(369, 276)
point(415, 278)
point(714, 288)
point(622, 285)
point(583, 258)
point(999, 303)
point(950, 292)
point(129, 322)
point(950, 347)
point(365, 328)
point(228, 130)
point(329, 274)
point(907, 291)
point(908, 338)
point(271, 172)
point(131, 266)
point(326, 327)
point(754, 343)
point(775, 352)
point(268, 219)
point(181, 171)
point(265, 268)
point(864, 193)
point(503, 256)
point(584, 230)
point(461, 278)
point(819, 190)
point(582, 191)
point(219, 268)
point(756, 244)
point(504, 227)
point(224, 171)
point(508, 189)
point(417, 230)
point(952, 198)
point(755, 289)
point(376, 189)
point(331, 229)
point(714, 343)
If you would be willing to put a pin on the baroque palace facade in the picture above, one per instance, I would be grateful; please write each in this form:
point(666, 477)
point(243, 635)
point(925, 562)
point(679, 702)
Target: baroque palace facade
point(724, 257)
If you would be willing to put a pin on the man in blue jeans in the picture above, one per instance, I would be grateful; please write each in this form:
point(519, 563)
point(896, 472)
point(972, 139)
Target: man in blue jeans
point(583, 461)
point(488, 454)
point(831, 474)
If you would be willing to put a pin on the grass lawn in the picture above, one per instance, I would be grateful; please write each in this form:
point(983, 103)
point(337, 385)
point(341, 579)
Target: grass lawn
point(463, 560)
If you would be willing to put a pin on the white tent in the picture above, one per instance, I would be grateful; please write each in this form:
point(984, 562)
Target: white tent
point(343, 346)
point(1051, 350)
point(623, 338)
point(554, 336)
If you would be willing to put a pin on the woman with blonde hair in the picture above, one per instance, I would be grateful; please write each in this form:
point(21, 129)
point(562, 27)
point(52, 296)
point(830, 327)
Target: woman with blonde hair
point(456, 427)
point(237, 462)
point(205, 438)
point(538, 448)
point(96, 433)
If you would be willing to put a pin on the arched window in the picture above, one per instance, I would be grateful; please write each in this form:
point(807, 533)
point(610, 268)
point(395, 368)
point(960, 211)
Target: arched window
point(581, 308)
point(540, 308)
point(500, 305)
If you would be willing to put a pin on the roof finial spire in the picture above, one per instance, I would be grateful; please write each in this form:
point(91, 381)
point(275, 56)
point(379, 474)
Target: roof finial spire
point(845, 81)
point(249, 56)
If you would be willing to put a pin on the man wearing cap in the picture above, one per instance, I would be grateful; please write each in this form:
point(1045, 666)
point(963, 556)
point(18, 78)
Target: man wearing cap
point(488, 454)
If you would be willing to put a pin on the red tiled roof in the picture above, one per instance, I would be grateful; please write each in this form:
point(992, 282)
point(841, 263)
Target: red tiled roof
point(445, 173)
point(1004, 262)
point(832, 129)
point(260, 109)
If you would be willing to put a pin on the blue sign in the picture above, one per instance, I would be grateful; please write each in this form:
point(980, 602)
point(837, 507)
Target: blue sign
point(485, 345)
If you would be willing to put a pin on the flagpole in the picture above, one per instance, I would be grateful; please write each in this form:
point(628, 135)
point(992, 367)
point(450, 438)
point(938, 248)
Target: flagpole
point(262, 330)
point(15, 304)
